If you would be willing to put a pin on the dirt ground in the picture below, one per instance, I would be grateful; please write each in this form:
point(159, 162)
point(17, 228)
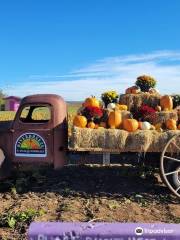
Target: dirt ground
point(123, 193)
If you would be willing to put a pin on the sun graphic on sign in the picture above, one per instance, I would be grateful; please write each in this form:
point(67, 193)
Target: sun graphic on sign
point(30, 144)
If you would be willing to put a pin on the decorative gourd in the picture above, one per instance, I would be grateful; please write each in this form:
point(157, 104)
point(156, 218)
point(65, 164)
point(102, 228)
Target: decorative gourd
point(133, 90)
point(145, 126)
point(158, 108)
point(114, 119)
point(122, 107)
point(80, 121)
point(103, 124)
point(91, 102)
point(91, 125)
point(130, 125)
point(171, 124)
point(96, 126)
point(158, 126)
point(111, 106)
point(166, 102)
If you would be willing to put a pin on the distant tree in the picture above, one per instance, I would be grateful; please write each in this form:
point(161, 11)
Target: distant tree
point(2, 95)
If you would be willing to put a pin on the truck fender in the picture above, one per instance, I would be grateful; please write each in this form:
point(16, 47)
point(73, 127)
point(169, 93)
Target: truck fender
point(2, 157)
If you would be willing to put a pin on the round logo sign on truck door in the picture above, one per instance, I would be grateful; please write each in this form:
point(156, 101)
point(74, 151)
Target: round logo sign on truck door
point(30, 145)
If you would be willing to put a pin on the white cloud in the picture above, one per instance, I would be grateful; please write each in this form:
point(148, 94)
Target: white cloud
point(110, 73)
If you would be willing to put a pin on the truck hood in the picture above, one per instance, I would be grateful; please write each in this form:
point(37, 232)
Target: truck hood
point(5, 125)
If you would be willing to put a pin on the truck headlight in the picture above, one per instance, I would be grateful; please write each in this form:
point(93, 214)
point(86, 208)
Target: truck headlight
point(2, 157)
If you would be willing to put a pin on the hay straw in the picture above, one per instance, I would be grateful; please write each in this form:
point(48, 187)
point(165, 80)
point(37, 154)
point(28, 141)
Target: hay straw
point(116, 140)
point(134, 101)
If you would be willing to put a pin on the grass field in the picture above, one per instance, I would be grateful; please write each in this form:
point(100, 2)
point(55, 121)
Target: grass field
point(123, 193)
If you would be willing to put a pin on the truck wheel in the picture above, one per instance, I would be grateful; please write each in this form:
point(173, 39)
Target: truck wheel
point(170, 165)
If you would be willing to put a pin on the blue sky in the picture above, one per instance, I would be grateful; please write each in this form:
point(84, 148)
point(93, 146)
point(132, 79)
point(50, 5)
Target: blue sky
point(77, 48)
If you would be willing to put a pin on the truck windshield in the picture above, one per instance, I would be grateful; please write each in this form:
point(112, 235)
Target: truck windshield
point(35, 114)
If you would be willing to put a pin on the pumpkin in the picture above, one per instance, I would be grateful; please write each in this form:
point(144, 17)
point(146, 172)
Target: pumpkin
point(114, 119)
point(158, 108)
point(179, 127)
point(96, 126)
point(91, 102)
point(153, 91)
point(130, 125)
point(103, 124)
point(145, 126)
point(171, 124)
point(158, 126)
point(80, 121)
point(122, 107)
point(133, 90)
point(166, 102)
point(91, 125)
point(111, 106)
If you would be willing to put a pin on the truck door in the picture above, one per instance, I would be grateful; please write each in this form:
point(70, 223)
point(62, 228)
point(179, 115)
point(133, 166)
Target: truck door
point(33, 134)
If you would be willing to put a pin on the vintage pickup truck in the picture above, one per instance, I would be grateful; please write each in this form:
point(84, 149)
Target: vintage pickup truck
point(31, 140)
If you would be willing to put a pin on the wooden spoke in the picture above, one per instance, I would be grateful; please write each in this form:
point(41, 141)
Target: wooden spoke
point(171, 158)
point(169, 173)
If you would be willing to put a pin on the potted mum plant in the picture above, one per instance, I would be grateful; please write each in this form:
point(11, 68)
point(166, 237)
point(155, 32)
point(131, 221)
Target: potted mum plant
point(109, 97)
point(145, 83)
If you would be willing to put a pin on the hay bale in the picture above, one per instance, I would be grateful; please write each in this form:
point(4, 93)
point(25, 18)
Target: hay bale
point(161, 117)
point(117, 140)
point(134, 101)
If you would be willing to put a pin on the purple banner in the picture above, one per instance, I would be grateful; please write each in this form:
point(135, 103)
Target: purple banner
point(103, 231)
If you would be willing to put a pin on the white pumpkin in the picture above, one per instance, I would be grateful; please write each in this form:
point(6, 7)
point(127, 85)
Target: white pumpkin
point(111, 106)
point(145, 126)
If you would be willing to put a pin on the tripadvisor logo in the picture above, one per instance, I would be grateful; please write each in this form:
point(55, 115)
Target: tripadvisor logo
point(139, 231)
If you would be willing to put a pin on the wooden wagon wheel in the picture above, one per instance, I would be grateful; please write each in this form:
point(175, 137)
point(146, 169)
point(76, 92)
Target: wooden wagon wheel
point(170, 165)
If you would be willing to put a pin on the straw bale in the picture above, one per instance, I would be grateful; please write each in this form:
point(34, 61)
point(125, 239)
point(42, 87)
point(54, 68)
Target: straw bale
point(117, 140)
point(161, 117)
point(134, 101)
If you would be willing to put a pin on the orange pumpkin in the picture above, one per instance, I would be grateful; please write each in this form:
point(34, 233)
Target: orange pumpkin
point(80, 121)
point(166, 102)
point(114, 119)
point(91, 125)
point(171, 124)
point(130, 125)
point(91, 102)
point(103, 124)
point(133, 90)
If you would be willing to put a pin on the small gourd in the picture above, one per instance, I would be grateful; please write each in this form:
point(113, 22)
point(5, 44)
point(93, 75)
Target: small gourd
point(171, 124)
point(130, 125)
point(96, 126)
point(91, 125)
point(122, 107)
point(114, 119)
point(166, 102)
point(80, 121)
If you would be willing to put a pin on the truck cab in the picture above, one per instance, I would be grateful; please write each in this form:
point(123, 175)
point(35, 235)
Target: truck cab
point(38, 133)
